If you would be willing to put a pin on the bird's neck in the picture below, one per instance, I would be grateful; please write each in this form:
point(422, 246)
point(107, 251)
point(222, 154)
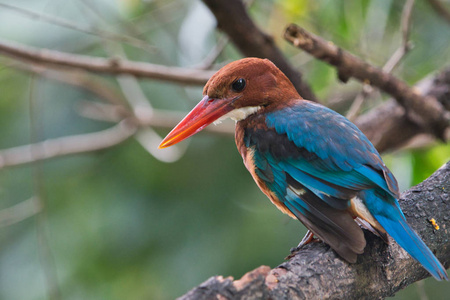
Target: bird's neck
point(257, 119)
point(254, 120)
point(239, 114)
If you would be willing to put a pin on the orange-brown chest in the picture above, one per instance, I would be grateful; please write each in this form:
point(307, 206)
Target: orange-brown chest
point(247, 154)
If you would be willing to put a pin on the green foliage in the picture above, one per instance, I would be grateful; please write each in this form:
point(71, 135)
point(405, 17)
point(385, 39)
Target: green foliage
point(426, 161)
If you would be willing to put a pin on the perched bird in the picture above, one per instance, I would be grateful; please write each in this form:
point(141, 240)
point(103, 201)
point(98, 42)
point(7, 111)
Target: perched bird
point(312, 163)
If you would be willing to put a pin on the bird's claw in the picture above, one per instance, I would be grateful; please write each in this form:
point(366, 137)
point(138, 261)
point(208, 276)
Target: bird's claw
point(308, 238)
point(294, 251)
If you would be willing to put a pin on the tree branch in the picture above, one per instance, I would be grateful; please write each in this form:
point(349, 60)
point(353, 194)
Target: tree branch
point(395, 59)
point(57, 59)
point(423, 110)
point(406, 30)
point(233, 19)
point(75, 144)
point(440, 9)
point(317, 272)
point(388, 126)
point(20, 211)
point(78, 78)
point(81, 28)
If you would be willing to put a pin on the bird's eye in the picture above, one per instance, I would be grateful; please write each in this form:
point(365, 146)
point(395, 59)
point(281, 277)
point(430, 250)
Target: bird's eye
point(238, 85)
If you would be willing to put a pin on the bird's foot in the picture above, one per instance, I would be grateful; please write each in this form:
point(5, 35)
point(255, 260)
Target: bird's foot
point(308, 238)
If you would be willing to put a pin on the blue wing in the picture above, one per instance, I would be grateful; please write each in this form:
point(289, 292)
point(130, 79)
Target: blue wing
point(343, 154)
point(336, 227)
point(315, 161)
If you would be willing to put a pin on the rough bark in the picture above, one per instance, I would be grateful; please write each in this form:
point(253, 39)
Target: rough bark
point(318, 273)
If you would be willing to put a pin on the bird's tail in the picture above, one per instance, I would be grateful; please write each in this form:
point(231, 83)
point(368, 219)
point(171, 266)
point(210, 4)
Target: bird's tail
point(390, 216)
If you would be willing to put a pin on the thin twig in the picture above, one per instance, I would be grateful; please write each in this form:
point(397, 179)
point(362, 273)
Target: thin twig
point(360, 98)
point(78, 78)
point(102, 111)
point(45, 251)
point(424, 110)
point(68, 145)
point(86, 29)
point(406, 45)
point(440, 9)
point(159, 118)
point(395, 59)
point(420, 286)
point(55, 59)
point(115, 111)
point(19, 212)
point(147, 137)
point(212, 56)
point(90, 142)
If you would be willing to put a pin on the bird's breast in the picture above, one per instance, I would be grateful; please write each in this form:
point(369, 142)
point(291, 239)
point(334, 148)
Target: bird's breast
point(249, 163)
point(248, 157)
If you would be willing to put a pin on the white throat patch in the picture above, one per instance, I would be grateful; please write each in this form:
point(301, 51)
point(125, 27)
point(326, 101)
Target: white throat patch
point(238, 114)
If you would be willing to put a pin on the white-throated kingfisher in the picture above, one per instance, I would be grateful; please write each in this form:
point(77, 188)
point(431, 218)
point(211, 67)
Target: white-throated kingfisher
point(312, 163)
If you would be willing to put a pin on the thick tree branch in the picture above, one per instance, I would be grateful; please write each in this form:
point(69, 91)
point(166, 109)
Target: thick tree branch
point(317, 272)
point(233, 19)
point(423, 110)
point(57, 59)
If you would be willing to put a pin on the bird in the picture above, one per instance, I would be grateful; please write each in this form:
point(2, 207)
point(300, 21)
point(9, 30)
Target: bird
point(311, 162)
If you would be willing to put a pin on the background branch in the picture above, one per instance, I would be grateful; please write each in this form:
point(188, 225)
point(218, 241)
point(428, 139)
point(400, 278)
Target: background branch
point(406, 45)
point(440, 9)
point(389, 66)
point(67, 145)
point(55, 59)
point(20, 212)
point(388, 126)
point(77, 78)
point(81, 28)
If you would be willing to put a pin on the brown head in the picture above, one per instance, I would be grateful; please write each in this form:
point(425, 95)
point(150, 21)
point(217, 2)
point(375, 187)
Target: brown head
point(237, 90)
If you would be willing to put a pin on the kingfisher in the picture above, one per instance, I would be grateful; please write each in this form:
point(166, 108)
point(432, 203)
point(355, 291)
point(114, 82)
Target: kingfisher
point(311, 162)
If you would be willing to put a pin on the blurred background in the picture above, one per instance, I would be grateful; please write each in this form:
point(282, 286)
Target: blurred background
point(133, 222)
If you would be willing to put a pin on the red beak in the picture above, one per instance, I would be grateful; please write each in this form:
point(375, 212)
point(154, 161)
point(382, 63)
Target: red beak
point(204, 113)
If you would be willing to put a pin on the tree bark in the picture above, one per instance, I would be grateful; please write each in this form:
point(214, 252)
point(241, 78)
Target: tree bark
point(317, 272)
